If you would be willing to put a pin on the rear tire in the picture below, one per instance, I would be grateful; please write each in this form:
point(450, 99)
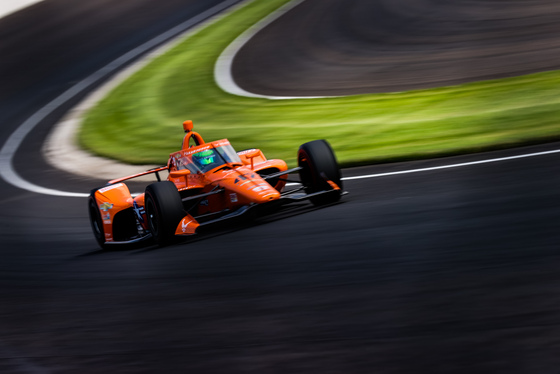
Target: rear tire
point(317, 162)
point(96, 222)
point(164, 211)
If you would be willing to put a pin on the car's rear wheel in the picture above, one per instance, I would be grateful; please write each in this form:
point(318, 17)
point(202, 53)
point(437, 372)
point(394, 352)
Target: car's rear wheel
point(318, 166)
point(164, 211)
point(96, 222)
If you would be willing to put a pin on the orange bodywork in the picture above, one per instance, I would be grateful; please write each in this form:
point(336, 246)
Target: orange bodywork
point(208, 183)
point(242, 184)
point(112, 200)
point(187, 226)
point(238, 182)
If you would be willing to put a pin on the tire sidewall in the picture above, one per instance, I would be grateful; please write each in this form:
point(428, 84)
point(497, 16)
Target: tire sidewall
point(316, 158)
point(164, 210)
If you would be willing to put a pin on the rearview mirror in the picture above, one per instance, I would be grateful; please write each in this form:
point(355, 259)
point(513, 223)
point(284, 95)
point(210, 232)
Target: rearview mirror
point(179, 173)
point(252, 153)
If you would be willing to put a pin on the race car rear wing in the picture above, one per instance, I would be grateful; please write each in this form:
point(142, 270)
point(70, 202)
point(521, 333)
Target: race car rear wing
point(151, 171)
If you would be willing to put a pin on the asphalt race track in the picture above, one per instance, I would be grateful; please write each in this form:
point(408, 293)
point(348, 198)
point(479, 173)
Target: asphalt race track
point(341, 47)
point(451, 270)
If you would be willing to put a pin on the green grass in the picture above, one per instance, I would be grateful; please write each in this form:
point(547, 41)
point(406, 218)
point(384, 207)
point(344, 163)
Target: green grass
point(141, 120)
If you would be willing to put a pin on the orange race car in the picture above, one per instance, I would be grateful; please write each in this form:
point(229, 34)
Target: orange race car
point(209, 183)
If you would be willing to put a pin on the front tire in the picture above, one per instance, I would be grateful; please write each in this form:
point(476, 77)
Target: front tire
point(318, 164)
point(164, 211)
point(96, 222)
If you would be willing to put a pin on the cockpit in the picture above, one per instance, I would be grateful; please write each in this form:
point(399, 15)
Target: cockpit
point(207, 157)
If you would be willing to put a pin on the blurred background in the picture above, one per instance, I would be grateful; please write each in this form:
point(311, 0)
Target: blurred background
point(442, 257)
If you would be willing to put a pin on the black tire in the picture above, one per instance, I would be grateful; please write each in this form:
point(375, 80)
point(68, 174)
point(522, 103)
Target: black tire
point(164, 211)
point(317, 162)
point(96, 222)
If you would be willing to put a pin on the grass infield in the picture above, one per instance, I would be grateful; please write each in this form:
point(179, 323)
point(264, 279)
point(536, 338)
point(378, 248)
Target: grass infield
point(140, 121)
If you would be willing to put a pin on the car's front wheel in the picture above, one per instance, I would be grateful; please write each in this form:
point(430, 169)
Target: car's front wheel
point(164, 211)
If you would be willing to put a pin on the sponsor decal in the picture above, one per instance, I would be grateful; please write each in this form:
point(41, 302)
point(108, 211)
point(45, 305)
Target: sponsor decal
point(107, 216)
point(259, 187)
point(107, 222)
point(107, 235)
point(228, 172)
point(139, 211)
point(233, 197)
point(106, 206)
point(109, 188)
point(221, 143)
point(204, 202)
point(191, 152)
point(185, 225)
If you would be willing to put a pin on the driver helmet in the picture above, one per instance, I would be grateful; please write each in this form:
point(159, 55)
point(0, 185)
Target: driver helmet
point(204, 158)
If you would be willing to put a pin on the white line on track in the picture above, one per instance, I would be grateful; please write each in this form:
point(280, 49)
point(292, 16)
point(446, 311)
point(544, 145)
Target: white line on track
point(7, 153)
point(451, 166)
